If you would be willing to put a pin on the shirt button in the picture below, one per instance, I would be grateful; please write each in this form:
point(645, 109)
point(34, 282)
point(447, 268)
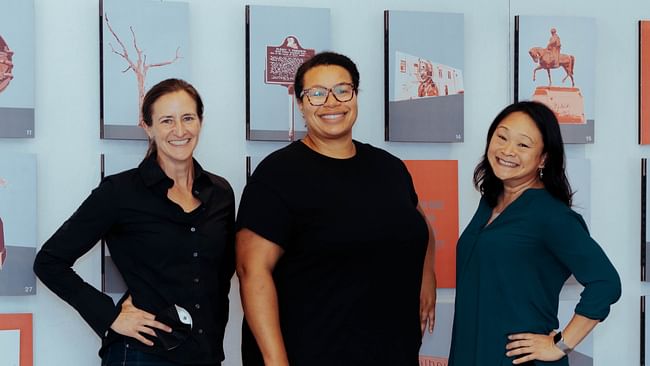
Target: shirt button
point(200, 331)
point(198, 306)
point(192, 229)
point(195, 254)
point(196, 280)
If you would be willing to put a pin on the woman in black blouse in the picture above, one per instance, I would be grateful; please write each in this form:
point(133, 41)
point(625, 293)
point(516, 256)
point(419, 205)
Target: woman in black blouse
point(169, 227)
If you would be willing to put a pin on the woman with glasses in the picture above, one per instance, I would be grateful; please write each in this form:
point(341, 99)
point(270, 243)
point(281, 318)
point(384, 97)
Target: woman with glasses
point(334, 258)
point(169, 226)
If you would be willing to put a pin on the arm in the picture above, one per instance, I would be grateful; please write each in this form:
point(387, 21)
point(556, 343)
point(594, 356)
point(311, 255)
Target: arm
point(428, 290)
point(542, 347)
point(256, 258)
point(54, 261)
point(567, 237)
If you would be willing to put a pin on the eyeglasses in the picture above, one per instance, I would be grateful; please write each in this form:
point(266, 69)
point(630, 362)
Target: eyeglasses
point(317, 96)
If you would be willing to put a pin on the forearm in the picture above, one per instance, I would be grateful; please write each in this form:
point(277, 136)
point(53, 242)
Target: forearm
point(577, 329)
point(260, 302)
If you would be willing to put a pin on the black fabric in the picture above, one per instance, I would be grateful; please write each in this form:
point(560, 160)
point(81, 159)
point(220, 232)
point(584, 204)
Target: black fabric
point(349, 280)
point(165, 255)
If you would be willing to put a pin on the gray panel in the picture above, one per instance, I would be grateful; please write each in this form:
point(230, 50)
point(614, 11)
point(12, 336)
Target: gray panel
point(269, 135)
point(124, 132)
point(16, 276)
point(435, 119)
point(16, 122)
point(578, 133)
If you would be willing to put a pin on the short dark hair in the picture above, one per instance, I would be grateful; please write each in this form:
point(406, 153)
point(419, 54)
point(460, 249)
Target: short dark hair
point(324, 59)
point(554, 179)
point(164, 87)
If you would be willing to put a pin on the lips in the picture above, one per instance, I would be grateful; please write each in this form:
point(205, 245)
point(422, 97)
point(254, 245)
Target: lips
point(506, 163)
point(179, 142)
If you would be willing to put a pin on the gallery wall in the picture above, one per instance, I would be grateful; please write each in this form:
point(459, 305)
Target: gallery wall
point(68, 147)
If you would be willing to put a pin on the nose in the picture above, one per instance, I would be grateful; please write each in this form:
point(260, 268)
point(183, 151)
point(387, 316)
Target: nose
point(330, 100)
point(179, 127)
point(508, 148)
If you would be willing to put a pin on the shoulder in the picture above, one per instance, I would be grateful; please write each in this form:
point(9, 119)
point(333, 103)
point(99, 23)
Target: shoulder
point(374, 153)
point(282, 160)
point(554, 212)
point(218, 181)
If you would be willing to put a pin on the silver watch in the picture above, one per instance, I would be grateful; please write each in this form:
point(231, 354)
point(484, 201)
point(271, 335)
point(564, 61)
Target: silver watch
point(559, 343)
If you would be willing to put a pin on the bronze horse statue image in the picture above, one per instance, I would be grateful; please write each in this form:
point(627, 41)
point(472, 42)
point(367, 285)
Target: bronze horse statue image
point(544, 59)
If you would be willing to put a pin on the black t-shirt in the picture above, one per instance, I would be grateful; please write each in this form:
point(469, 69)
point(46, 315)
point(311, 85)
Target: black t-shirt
point(349, 280)
point(166, 256)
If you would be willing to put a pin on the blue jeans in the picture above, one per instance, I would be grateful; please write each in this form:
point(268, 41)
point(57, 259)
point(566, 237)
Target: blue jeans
point(120, 354)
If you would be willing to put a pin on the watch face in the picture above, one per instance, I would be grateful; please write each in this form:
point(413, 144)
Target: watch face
point(557, 337)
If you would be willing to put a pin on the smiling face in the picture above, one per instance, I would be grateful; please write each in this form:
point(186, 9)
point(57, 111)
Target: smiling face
point(516, 151)
point(332, 120)
point(175, 127)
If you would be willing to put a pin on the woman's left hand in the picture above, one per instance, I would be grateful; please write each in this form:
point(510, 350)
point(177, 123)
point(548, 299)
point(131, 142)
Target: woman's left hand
point(534, 347)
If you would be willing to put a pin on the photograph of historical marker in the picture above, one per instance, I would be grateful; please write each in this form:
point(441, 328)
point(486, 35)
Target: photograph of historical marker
point(555, 64)
point(17, 68)
point(139, 47)
point(275, 48)
point(18, 238)
point(424, 89)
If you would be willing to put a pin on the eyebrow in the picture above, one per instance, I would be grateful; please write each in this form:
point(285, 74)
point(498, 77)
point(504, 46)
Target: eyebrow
point(521, 134)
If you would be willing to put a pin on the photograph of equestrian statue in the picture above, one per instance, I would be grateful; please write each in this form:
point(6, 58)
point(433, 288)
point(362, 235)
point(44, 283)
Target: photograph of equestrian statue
point(424, 90)
point(555, 64)
point(17, 69)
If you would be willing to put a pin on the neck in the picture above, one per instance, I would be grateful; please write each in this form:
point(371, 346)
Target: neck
point(337, 149)
point(512, 192)
point(182, 173)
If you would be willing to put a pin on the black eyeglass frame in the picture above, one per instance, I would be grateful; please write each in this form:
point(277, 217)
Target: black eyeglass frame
point(329, 91)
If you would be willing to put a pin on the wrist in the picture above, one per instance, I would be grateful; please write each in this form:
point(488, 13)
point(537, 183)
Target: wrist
point(558, 339)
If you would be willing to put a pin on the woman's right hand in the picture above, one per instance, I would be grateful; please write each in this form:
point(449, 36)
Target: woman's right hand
point(132, 322)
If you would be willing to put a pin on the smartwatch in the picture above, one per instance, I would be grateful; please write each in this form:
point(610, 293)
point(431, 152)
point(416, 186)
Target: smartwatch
point(559, 343)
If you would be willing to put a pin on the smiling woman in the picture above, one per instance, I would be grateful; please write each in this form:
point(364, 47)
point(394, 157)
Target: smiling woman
point(522, 244)
point(320, 222)
point(169, 226)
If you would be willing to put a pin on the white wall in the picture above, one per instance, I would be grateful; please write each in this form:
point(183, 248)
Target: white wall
point(68, 146)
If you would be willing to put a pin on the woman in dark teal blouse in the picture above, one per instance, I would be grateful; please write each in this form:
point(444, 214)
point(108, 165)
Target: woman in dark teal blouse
point(522, 244)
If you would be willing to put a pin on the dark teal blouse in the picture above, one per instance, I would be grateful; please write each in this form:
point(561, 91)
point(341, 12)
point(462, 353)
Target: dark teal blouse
point(509, 275)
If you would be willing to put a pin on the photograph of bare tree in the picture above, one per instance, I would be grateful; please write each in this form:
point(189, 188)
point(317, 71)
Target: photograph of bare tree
point(137, 51)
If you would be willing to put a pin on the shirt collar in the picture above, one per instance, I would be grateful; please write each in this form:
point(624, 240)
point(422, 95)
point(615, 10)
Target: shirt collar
point(153, 175)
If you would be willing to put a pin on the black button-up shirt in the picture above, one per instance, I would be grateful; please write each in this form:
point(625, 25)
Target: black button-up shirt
point(167, 256)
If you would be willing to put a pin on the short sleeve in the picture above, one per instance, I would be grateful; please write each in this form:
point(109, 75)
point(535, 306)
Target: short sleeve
point(263, 211)
point(568, 238)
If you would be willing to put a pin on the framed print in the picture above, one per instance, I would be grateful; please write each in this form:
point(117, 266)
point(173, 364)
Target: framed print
point(644, 82)
point(644, 219)
point(251, 164)
point(555, 64)
point(644, 339)
point(18, 239)
point(17, 68)
point(435, 347)
point(424, 89)
point(436, 183)
point(139, 47)
point(275, 48)
point(112, 281)
point(16, 339)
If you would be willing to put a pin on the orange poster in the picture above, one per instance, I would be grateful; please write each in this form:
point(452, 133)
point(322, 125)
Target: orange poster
point(23, 324)
point(436, 183)
point(644, 82)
